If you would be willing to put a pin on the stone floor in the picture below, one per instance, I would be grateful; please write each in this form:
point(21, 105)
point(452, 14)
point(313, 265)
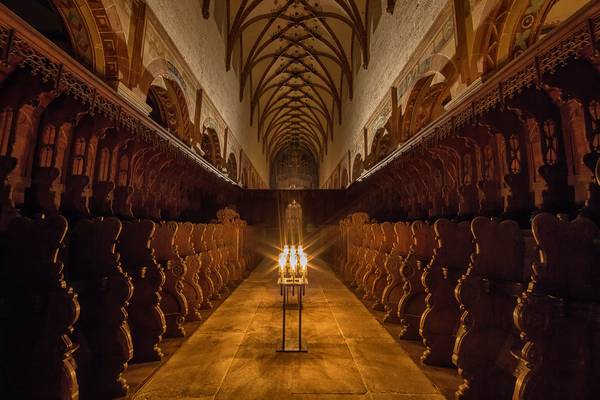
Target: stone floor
point(232, 354)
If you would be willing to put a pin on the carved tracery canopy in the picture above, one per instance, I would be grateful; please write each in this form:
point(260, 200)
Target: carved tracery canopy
point(296, 60)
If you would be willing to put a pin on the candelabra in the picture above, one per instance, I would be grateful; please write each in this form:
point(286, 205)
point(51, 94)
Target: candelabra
point(293, 278)
point(293, 264)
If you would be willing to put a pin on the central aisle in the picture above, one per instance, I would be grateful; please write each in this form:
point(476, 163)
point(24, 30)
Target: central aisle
point(232, 355)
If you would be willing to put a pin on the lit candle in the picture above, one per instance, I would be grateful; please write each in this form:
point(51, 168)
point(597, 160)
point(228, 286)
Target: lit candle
point(282, 262)
point(303, 264)
point(293, 262)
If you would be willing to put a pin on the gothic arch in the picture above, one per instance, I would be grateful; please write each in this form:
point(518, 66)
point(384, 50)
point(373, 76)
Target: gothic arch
point(357, 167)
point(210, 145)
point(344, 181)
point(512, 26)
point(232, 167)
point(381, 146)
point(424, 103)
point(169, 107)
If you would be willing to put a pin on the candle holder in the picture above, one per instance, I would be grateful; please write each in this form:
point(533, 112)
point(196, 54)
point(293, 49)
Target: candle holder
point(293, 279)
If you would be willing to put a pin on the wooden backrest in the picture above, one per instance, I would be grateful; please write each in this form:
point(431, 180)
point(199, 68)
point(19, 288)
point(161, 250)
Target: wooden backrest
point(403, 238)
point(31, 257)
point(500, 251)
point(197, 237)
point(423, 240)
point(569, 258)
point(389, 236)
point(183, 239)
point(135, 243)
point(92, 248)
point(163, 241)
point(454, 243)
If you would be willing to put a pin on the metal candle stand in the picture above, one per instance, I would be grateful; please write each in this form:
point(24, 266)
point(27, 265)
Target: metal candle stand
point(286, 285)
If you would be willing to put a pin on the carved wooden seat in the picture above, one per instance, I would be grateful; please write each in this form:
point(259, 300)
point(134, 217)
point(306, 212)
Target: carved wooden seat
point(361, 255)
point(374, 257)
point(204, 270)
point(104, 289)
point(210, 261)
point(357, 220)
point(37, 313)
point(353, 256)
point(412, 301)
point(498, 273)
point(231, 252)
point(440, 320)
point(221, 259)
point(558, 314)
point(380, 278)
point(366, 261)
point(186, 255)
point(146, 319)
point(393, 290)
point(172, 303)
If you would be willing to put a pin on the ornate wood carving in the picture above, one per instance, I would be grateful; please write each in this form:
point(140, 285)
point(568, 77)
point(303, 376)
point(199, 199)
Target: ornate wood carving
point(393, 291)
point(498, 272)
point(186, 256)
point(146, 319)
point(557, 311)
point(412, 301)
point(37, 312)
point(172, 303)
point(104, 290)
point(379, 281)
point(205, 280)
point(440, 319)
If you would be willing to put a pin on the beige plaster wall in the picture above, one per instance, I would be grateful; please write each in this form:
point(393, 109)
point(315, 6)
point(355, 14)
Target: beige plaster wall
point(203, 48)
point(391, 46)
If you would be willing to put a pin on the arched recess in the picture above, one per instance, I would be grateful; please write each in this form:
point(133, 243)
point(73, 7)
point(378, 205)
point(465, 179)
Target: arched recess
point(169, 108)
point(425, 103)
point(210, 145)
point(381, 146)
point(344, 181)
point(357, 167)
point(88, 31)
point(512, 26)
point(232, 167)
point(244, 177)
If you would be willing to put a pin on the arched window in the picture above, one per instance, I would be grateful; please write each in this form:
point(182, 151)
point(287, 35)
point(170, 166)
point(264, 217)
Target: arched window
point(46, 155)
point(467, 169)
point(104, 165)
point(79, 157)
point(123, 170)
point(5, 123)
point(514, 147)
point(488, 163)
point(551, 142)
point(594, 110)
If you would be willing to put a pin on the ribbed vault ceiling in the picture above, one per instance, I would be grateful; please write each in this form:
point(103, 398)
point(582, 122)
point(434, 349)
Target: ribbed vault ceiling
point(295, 58)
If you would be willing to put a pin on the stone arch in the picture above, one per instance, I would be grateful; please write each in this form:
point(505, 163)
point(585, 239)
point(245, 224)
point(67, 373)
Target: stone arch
point(244, 177)
point(357, 167)
point(344, 181)
point(169, 107)
point(511, 27)
point(96, 35)
point(424, 103)
point(232, 167)
point(381, 146)
point(210, 145)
